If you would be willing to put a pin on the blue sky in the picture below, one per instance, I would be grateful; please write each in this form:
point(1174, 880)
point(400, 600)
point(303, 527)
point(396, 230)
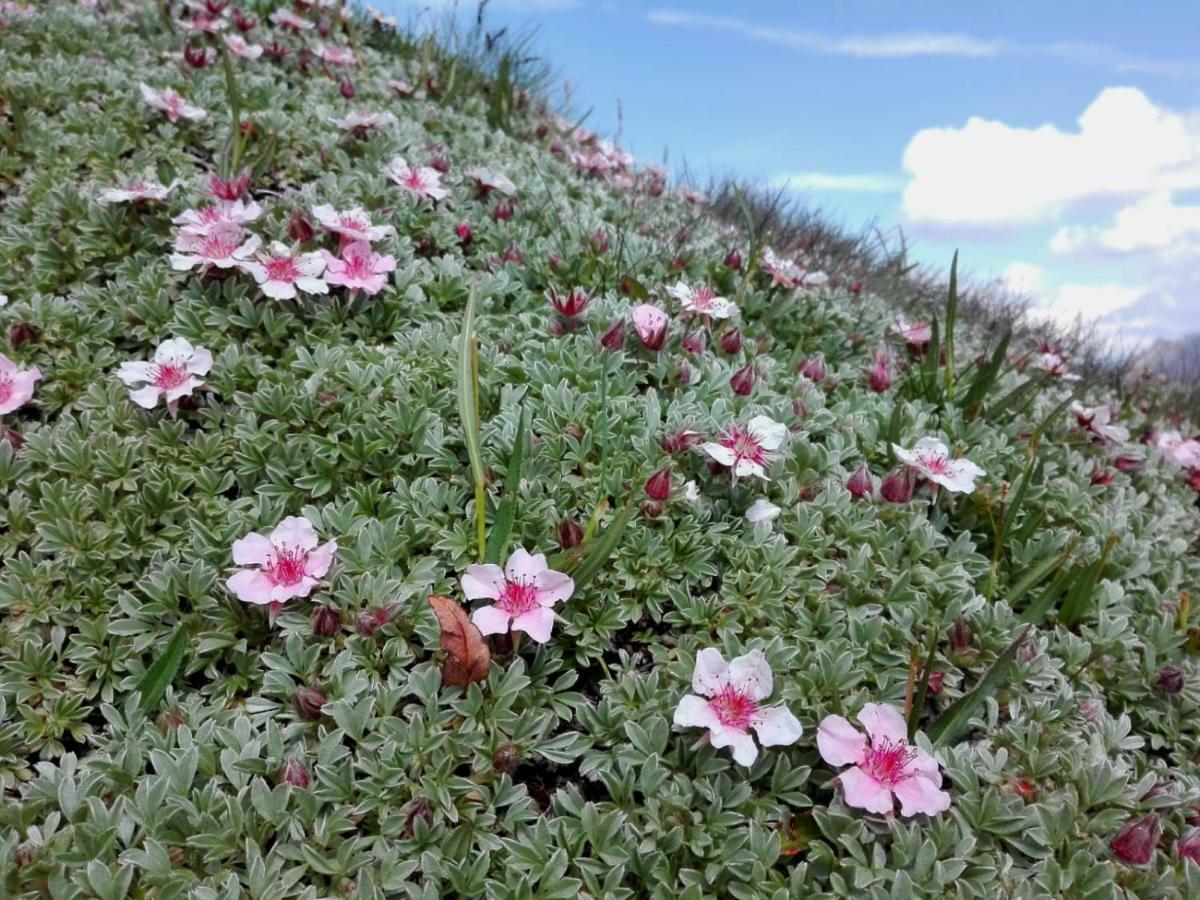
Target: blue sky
point(1055, 145)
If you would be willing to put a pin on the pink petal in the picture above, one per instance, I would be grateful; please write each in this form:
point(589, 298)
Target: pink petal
point(483, 582)
point(711, 672)
point(863, 791)
point(883, 723)
point(839, 742)
point(537, 623)
point(524, 567)
point(295, 531)
point(253, 550)
point(919, 795)
point(776, 726)
point(751, 674)
point(694, 712)
point(553, 587)
point(491, 620)
point(250, 586)
point(321, 559)
point(146, 397)
point(744, 751)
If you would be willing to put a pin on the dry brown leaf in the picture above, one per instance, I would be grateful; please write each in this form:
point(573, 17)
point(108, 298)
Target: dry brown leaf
point(467, 658)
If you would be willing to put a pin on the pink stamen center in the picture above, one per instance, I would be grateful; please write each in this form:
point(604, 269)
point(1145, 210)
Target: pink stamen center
point(169, 375)
point(281, 269)
point(518, 598)
point(352, 224)
point(889, 762)
point(935, 465)
point(733, 708)
point(288, 567)
point(217, 247)
point(358, 266)
point(413, 181)
point(6, 388)
point(744, 445)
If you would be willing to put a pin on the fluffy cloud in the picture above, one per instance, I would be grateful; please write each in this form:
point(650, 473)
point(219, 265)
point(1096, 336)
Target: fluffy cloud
point(1154, 223)
point(1100, 304)
point(988, 173)
point(825, 181)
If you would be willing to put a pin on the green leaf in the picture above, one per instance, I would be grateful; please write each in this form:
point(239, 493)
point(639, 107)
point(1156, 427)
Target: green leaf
point(604, 548)
point(954, 721)
point(987, 376)
point(468, 413)
point(951, 315)
point(506, 513)
point(1083, 587)
point(163, 670)
point(914, 714)
point(1035, 574)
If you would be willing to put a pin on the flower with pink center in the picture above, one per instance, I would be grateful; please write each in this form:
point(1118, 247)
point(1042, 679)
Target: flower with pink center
point(749, 449)
point(287, 19)
point(16, 385)
point(137, 190)
point(884, 766)
point(352, 225)
point(360, 122)
point(401, 87)
point(285, 564)
point(176, 371)
point(171, 104)
point(282, 271)
point(223, 249)
point(917, 334)
point(689, 194)
point(651, 323)
point(420, 181)
point(783, 272)
point(228, 217)
point(1181, 452)
point(1097, 420)
point(523, 594)
point(930, 459)
point(1055, 365)
point(359, 269)
point(333, 56)
point(702, 300)
point(487, 181)
point(728, 701)
point(241, 48)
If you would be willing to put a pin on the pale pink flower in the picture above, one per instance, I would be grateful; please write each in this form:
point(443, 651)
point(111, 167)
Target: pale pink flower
point(1055, 365)
point(728, 701)
point(282, 271)
point(334, 56)
point(689, 194)
point(762, 510)
point(285, 18)
point(359, 269)
point(883, 765)
point(1185, 453)
point(916, 333)
point(227, 217)
point(137, 190)
point(524, 592)
point(650, 322)
point(702, 300)
point(352, 225)
point(16, 385)
point(224, 249)
point(421, 181)
point(783, 272)
point(486, 180)
point(1098, 421)
point(750, 449)
point(240, 48)
point(288, 563)
point(176, 371)
point(401, 87)
point(930, 458)
point(171, 104)
point(359, 121)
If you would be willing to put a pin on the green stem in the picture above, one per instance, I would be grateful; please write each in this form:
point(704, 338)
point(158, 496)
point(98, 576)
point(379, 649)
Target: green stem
point(235, 111)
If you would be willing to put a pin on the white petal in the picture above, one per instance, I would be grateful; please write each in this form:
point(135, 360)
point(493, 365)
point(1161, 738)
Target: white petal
point(751, 674)
point(711, 672)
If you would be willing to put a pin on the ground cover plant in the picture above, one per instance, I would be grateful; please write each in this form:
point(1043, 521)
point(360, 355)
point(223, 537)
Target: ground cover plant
point(408, 493)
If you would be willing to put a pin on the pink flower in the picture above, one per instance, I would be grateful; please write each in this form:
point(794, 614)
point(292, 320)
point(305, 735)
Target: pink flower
point(286, 564)
point(747, 450)
point(728, 701)
point(1098, 421)
point(487, 181)
point(883, 764)
point(930, 458)
point(16, 385)
point(918, 334)
point(174, 373)
point(173, 105)
point(1185, 453)
point(241, 49)
point(524, 592)
point(232, 190)
point(650, 322)
point(223, 249)
point(334, 56)
point(218, 217)
point(421, 181)
point(359, 269)
point(137, 190)
point(352, 225)
point(285, 18)
point(282, 271)
point(359, 121)
point(702, 301)
point(1054, 364)
point(783, 272)
point(878, 376)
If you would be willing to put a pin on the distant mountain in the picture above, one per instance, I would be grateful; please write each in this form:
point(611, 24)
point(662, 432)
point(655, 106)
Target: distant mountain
point(1179, 359)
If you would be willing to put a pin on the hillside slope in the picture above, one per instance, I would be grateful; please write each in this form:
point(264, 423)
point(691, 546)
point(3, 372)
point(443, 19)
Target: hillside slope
point(705, 435)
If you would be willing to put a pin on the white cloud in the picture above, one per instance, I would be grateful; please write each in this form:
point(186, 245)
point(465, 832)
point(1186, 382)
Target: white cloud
point(826, 181)
point(1024, 278)
point(988, 173)
point(1071, 302)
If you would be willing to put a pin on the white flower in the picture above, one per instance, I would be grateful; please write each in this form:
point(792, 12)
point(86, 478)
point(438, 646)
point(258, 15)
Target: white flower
point(352, 225)
point(728, 702)
point(238, 47)
point(931, 459)
point(750, 449)
point(691, 491)
point(491, 181)
point(175, 372)
point(1098, 420)
point(170, 103)
point(137, 190)
point(281, 272)
point(359, 121)
point(762, 510)
point(1185, 453)
point(702, 300)
point(421, 181)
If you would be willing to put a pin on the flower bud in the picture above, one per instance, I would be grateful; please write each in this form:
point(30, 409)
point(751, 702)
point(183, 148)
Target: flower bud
point(693, 341)
point(464, 234)
point(21, 333)
point(652, 509)
point(614, 338)
point(651, 323)
point(507, 758)
point(742, 381)
point(799, 408)
point(295, 773)
point(658, 485)
point(1169, 680)
point(14, 439)
point(569, 534)
point(243, 22)
point(860, 483)
point(300, 229)
point(308, 703)
point(880, 379)
point(346, 89)
point(169, 719)
point(813, 369)
point(960, 636)
point(194, 56)
point(233, 189)
point(1135, 843)
point(1102, 477)
point(326, 621)
point(599, 241)
point(733, 259)
point(1188, 846)
point(679, 441)
point(418, 810)
point(572, 304)
point(504, 210)
point(372, 620)
point(731, 341)
point(935, 682)
point(898, 486)
point(276, 51)
point(1128, 463)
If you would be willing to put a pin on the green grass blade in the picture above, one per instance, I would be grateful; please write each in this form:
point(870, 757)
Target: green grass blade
point(955, 720)
point(914, 714)
point(506, 513)
point(987, 376)
point(604, 548)
point(468, 413)
point(1083, 588)
point(1034, 576)
point(951, 315)
point(163, 670)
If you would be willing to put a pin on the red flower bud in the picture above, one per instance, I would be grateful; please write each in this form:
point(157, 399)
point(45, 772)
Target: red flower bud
point(742, 381)
point(571, 305)
point(1188, 846)
point(372, 620)
point(879, 378)
point(504, 209)
point(1103, 477)
point(599, 241)
point(898, 486)
point(733, 259)
point(1136, 842)
point(569, 534)
point(813, 369)
point(860, 484)
point(295, 773)
point(308, 703)
point(464, 234)
point(440, 162)
point(935, 682)
point(799, 409)
point(683, 439)
point(960, 636)
point(196, 57)
point(326, 621)
point(731, 341)
point(1128, 463)
point(21, 333)
point(507, 758)
point(300, 229)
point(232, 189)
point(276, 51)
point(1169, 680)
point(614, 338)
point(652, 509)
point(693, 341)
point(346, 89)
point(658, 486)
point(418, 811)
point(243, 22)
point(14, 439)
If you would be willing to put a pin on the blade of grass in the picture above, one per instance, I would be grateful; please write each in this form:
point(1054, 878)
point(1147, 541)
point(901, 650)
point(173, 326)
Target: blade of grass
point(1080, 593)
point(954, 721)
point(987, 376)
point(163, 670)
point(468, 413)
point(605, 546)
point(1034, 575)
point(506, 513)
point(951, 315)
point(914, 714)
